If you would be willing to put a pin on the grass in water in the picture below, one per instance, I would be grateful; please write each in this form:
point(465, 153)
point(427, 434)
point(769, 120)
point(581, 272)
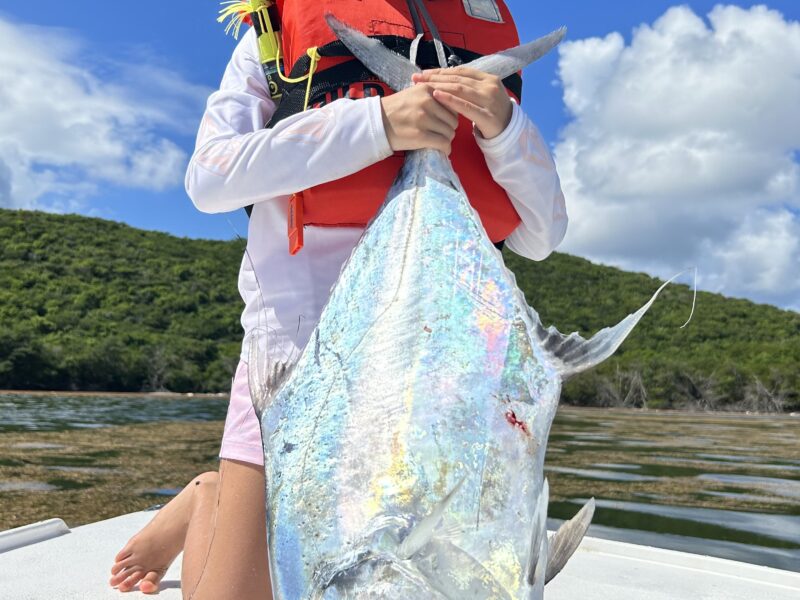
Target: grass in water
point(711, 461)
point(100, 473)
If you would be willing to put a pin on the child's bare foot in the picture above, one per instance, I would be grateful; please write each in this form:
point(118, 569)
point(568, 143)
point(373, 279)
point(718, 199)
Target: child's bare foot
point(148, 554)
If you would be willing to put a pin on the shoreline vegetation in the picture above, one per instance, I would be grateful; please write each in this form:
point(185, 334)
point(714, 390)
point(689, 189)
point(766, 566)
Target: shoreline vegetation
point(89, 305)
point(225, 396)
point(96, 393)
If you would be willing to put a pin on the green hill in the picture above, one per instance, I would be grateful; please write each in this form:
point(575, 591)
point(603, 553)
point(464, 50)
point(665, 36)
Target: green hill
point(734, 354)
point(90, 304)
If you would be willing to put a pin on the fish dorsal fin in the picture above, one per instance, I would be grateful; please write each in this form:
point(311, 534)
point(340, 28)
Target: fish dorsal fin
point(396, 70)
point(567, 539)
point(422, 532)
point(264, 379)
point(508, 62)
point(572, 353)
point(538, 552)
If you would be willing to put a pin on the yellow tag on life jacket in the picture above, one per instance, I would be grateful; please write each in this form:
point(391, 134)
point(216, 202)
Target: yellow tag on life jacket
point(263, 16)
point(268, 30)
point(238, 13)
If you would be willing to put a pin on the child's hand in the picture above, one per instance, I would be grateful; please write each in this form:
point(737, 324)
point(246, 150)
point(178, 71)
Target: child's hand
point(413, 120)
point(478, 96)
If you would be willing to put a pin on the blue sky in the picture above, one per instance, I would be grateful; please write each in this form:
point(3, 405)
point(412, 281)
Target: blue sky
point(181, 42)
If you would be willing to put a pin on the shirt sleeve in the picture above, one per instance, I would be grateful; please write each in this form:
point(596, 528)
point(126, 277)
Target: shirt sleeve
point(237, 162)
point(520, 162)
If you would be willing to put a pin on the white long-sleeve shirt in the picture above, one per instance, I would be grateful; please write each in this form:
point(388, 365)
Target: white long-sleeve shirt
point(237, 163)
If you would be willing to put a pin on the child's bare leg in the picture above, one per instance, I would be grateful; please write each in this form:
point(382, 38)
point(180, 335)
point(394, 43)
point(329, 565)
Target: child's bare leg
point(148, 554)
point(225, 554)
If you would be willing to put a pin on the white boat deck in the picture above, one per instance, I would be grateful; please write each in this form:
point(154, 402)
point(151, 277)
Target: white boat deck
point(75, 566)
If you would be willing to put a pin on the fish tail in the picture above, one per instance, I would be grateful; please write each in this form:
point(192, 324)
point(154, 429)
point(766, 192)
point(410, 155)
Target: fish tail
point(396, 70)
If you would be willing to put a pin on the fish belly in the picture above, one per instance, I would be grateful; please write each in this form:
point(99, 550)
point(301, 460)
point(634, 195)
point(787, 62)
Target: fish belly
point(420, 378)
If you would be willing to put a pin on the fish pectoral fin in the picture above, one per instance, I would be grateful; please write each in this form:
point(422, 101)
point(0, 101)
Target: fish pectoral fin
point(422, 532)
point(567, 539)
point(393, 69)
point(573, 354)
point(538, 552)
point(508, 62)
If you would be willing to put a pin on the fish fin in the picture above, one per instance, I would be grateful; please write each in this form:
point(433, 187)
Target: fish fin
point(573, 354)
point(536, 561)
point(567, 539)
point(264, 380)
point(510, 61)
point(392, 68)
point(453, 531)
point(451, 572)
point(422, 532)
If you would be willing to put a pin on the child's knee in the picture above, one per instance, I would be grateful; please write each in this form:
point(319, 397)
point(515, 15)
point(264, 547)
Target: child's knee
point(209, 479)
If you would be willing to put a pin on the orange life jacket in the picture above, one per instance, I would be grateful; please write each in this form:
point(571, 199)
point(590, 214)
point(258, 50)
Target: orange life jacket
point(353, 200)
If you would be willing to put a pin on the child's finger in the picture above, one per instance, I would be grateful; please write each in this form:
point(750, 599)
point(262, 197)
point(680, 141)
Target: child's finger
point(462, 71)
point(438, 126)
point(437, 141)
point(465, 92)
point(444, 114)
point(445, 77)
point(474, 113)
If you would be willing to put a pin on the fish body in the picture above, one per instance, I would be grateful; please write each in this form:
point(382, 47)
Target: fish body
point(404, 449)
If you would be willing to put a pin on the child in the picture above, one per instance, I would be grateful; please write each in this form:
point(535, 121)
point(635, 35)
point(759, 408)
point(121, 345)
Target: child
point(218, 520)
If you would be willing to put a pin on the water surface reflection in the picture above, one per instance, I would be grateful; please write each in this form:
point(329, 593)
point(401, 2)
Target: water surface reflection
point(718, 484)
point(724, 485)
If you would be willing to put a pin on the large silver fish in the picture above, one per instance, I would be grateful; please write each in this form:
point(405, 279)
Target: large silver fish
point(404, 448)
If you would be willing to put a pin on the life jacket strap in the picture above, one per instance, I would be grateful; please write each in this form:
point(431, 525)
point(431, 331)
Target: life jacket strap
point(417, 9)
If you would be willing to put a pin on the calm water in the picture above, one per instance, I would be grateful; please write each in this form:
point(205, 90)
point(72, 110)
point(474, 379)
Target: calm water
point(723, 485)
point(40, 412)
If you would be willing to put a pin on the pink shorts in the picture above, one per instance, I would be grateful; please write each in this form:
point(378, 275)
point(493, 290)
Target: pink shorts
point(241, 439)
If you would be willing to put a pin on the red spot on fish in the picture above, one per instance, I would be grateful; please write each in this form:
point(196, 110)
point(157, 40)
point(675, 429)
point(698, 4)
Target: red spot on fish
point(427, 329)
point(512, 419)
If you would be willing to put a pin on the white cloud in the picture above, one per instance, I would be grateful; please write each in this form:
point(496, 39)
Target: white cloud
point(71, 123)
point(682, 149)
point(764, 250)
